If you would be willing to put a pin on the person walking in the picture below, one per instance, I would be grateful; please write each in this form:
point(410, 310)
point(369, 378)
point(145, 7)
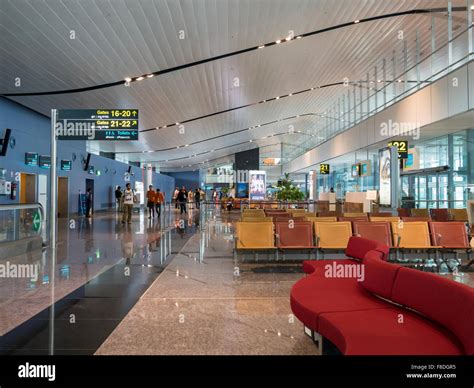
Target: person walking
point(175, 197)
point(181, 198)
point(150, 204)
point(89, 199)
point(118, 198)
point(197, 198)
point(190, 198)
point(128, 201)
point(159, 199)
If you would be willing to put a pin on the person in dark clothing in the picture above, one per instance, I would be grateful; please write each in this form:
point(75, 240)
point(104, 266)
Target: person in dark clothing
point(118, 198)
point(182, 197)
point(197, 198)
point(88, 202)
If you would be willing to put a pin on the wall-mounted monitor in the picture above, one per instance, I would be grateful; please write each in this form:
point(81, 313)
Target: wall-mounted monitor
point(242, 190)
point(365, 168)
point(66, 165)
point(355, 170)
point(45, 161)
point(31, 159)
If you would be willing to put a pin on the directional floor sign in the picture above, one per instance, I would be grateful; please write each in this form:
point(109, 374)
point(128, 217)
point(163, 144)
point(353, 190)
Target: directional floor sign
point(97, 124)
point(37, 221)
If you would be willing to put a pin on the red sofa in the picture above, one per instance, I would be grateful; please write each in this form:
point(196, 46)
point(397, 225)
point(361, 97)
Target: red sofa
point(393, 310)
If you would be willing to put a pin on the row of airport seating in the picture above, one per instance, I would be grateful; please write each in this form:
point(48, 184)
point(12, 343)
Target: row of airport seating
point(335, 235)
point(413, 214)
point(372, 307)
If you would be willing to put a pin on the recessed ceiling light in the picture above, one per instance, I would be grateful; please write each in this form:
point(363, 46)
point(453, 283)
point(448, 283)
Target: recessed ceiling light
point(128, 79)
point(278, 41)
point(176, 123)
point(140, 78)
point(164, 126)
point(261, 47)
point(150, 75)
point(290, 94)
point(288, 38)
point(277, 98)
point(250, 141)
point(356, 21)
point(298, 37)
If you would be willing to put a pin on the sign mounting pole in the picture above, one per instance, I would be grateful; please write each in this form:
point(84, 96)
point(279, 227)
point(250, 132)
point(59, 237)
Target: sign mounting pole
point(52, 226)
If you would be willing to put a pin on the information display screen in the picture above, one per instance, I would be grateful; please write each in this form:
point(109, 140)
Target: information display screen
point(97, 124)
point(31, 159)
point(45, 161)
point(257, 185)
point(66, 165)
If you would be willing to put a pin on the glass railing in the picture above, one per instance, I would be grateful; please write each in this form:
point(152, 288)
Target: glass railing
point(18, 221)
point(374, 93)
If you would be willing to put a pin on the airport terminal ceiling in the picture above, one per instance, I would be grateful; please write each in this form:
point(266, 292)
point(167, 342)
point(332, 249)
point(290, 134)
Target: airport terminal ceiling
point(196, 107)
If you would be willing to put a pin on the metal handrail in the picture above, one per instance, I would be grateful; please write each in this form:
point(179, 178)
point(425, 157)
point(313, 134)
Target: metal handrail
point(20, 206)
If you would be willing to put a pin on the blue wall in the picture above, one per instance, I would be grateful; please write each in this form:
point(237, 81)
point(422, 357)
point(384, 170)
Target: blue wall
point(189, 179)
point(31, 132)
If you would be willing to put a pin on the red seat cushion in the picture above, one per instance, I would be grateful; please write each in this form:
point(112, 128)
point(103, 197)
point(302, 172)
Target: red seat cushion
point(317, 266)
point(314, 295)
point(379, 275)
point(380, 332)
point(357, 247)
point(442, 300)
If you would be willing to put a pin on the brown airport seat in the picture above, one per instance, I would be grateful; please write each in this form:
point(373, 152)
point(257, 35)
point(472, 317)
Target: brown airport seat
point(294, 212)
point(403, 212)
point(411, 219)
point(353, 207)
point(377, 231)
point(452, 235)
point(413, 235)
point(299, 236)
point(332, 235)
point(288, 219)
point(384, 219)
point(440, 215)
point(419, 212)
point(254, 235)
point(458, 215)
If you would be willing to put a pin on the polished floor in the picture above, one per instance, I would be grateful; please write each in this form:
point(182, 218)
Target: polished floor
point(153, 287)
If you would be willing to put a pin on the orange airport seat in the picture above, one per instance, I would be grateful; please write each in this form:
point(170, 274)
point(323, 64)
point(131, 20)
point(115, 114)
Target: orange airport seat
point(384, 219)
point(377, 231)
point(332, 235)
point(299, 236)
point(320, 219)
point(420, 212)
point(257, 219)
point(413, 235)
point(358, 215)
point(254, 235)
point(458, 214)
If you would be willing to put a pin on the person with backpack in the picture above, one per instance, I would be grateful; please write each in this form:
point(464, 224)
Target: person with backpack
point(128, 201)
